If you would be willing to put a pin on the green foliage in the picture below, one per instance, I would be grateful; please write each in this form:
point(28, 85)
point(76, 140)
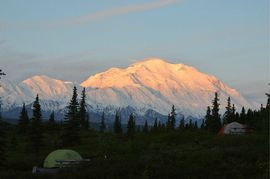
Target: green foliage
point(131, 126)
point(23, 122)
point(155, 127)
point(208, 119)
point(145, 127)
point(212, 118)
point(3, 143)
point(102, 126)
point(72, 122)
point(84, 124)
point(182, 124)
point(242, 118)
point(36, 128)
point(171, 119)
point(117, 126)
point(228, 116)
point(52, 126)
point(203, 124)
point(87, 122)
point(2, 134)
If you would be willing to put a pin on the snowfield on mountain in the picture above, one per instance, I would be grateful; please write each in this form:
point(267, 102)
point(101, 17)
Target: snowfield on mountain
point(149, 85)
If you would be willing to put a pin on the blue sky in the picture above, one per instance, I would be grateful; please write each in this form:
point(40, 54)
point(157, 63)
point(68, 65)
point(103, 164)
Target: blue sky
point(71, 40)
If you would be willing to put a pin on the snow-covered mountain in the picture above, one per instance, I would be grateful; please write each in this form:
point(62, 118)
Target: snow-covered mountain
point(147, 88)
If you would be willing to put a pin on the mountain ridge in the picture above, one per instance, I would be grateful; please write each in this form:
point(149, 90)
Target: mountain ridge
point(153, 84)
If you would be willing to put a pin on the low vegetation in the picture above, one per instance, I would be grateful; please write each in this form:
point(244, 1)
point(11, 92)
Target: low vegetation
point(174, 154)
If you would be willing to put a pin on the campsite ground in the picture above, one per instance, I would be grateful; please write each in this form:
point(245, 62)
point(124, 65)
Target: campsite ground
point(188, 154)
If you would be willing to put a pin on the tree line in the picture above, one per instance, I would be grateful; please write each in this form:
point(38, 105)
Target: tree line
point(257, 119)
point(77, 120)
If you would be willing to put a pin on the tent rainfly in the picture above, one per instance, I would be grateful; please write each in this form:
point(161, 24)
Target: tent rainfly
point(234, 128)
point(60, 160)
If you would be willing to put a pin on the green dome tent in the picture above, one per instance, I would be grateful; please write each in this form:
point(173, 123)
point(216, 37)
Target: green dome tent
point(64, 156)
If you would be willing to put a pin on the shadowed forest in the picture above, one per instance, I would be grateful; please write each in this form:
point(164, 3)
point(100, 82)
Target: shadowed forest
point(162, 150)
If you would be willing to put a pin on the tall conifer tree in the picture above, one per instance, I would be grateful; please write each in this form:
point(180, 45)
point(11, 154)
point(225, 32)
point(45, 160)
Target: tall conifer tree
point(182, 124)
point(145, 127)
point(215, 114)
point(72, 122)
point(117, 124)
point(155, 126)
point(102, 126)
point(242, 116)
point(131, 126)
point(208, 119)
point(203, 124)
point(52, 123)
point(36, 127)
point(2, 134)
point(228, 115)
point(173, 117)
point(2, 143)
point(82, 111)
point(23, 123)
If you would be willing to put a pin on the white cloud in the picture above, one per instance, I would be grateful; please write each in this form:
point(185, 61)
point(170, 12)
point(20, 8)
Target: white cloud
point(114, 12)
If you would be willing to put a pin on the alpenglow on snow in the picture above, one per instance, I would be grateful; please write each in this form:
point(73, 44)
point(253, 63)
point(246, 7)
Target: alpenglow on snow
point(149, 85)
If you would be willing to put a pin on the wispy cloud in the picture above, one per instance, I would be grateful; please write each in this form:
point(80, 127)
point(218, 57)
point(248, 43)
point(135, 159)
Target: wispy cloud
point(114, 12)
point(87, 18)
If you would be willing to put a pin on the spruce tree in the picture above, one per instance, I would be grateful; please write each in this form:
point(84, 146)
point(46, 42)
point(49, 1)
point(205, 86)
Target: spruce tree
point(82, 111)
point(227, 118)
point(202, 125)
point(237, 116)
point(155, 126)
point(87, 122)
point(215, 114)
point(117, 126)
point(242, 118)
point(2, 143)
point(36, 128)
point(182, 124)
point(159, 126)
point(23, 123)
point(233, 112)
point(72, 122)
point(169, 122)
point(102, 126)
point(2, 135)
point(249, 117)
point(163, 127)
point(52, 123)
point(195, 125)
point(173, 117)
point(131, 126)
point(208, 119)
point(145, 127)
point(51, 119)
point(190, 125)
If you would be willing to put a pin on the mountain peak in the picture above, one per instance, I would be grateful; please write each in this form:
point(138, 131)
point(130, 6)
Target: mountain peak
point(156, 63)
point(46, 86)
point(42, 79)
point(152, 83)
point(148, 72)
point(151, 61)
